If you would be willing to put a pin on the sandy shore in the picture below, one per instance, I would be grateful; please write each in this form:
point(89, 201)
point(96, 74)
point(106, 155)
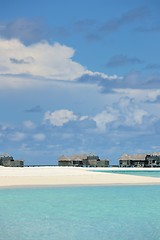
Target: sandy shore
point(63, 176)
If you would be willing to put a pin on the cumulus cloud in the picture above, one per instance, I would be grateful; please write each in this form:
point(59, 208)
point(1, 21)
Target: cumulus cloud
point(139, 95)
point(105, 117)
point(60, 117)
point(124, 113)
point(138, 116)
point(130, 112)
point(53, 61)
point(27, 65)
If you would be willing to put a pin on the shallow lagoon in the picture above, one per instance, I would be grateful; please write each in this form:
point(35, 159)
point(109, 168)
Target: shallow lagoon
point(76, 213)
point(145, 173)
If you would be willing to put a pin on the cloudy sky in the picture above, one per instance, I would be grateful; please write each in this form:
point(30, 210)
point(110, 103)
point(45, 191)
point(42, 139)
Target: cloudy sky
point(79, 76)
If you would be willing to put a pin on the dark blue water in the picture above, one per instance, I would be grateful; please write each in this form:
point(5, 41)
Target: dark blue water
point(80, 213)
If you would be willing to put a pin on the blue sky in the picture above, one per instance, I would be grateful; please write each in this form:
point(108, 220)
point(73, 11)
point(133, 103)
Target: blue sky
point(79, 77)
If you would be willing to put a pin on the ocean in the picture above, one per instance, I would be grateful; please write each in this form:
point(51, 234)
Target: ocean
point(80, 213)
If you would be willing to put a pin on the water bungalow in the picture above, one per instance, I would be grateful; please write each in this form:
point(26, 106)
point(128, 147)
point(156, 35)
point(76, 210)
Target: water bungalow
point(140, 160)
point(82, 160)
point(7, 161)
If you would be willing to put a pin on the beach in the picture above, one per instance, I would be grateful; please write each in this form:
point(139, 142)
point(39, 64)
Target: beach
point(75, 203)
point(68, 176)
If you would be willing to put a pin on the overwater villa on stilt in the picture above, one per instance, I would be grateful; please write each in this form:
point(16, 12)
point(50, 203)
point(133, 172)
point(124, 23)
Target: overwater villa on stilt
point(82, 160)
point(7, 161)
point(140, 160)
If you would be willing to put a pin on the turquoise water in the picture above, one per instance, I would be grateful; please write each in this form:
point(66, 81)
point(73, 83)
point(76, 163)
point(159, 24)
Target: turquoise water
point(80, 213)
point(150, 173)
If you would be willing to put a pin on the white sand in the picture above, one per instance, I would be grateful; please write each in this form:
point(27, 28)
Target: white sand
point(63, 176)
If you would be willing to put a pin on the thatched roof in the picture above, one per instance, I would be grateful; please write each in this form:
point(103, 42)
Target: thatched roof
point(79, 157)
point(64, 158)
point(76, 157)
point(5, 155)
point(155, 154)
point(138, 157)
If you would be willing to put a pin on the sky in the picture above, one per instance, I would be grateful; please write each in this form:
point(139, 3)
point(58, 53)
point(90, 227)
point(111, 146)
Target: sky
point(79, 77)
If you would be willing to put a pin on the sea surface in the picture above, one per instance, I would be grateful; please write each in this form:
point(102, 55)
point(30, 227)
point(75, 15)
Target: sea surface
point(80, 213)
point(145, 173)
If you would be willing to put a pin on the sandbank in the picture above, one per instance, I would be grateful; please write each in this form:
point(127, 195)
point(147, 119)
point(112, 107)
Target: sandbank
point(68, 176)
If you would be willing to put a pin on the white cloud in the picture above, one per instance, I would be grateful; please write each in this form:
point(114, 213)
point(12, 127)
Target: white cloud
point(60, 117)
point(82, 118)
point(139, 94)
point(131, 113)
point(29, 124)
point(138, 115)
point(123, 113)
point(23, 66)
point(39, 137)
point(52, 61)
point(12, 82)
point(103, 75)
point(153, 94)
point(107, 116)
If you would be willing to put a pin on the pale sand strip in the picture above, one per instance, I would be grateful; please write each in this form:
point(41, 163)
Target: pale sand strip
point(63, 176)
